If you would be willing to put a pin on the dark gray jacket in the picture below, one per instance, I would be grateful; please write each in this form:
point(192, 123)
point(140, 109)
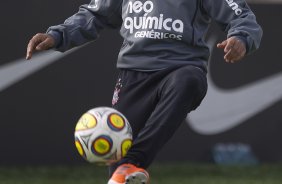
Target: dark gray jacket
point(158, 34)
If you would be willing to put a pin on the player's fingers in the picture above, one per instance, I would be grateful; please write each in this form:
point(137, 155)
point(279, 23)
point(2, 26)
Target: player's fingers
point(40, 41)
point(236, 53)
point(233, 53)
point(46, 44)
point(35, 40)
point(29, 52)
point(227, 56)
point(230, 43)
point(31, 46)
point(240, 53)
point(222, 44)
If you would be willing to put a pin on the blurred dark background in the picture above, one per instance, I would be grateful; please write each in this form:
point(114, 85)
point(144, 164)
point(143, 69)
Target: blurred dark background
point(39, 112)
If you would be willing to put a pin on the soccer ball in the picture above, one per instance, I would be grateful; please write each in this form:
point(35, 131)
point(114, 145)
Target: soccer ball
point(103, 136)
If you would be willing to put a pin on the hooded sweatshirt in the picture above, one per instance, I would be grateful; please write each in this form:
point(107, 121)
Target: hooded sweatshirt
point(159, 33)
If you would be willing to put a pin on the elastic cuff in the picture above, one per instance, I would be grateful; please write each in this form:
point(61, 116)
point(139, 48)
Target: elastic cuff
point(57, 37)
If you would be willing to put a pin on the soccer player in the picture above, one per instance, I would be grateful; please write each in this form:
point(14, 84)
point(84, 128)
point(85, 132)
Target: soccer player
point(162, 62)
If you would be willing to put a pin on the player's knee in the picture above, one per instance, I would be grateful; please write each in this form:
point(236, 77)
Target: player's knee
point(190, 83)
point(184, 83)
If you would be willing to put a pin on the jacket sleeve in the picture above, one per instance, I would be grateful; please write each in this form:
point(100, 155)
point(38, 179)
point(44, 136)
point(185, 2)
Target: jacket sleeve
point(236, 19)
point(85, 25)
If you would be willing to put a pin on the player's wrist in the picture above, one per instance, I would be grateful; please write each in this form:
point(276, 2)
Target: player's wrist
point(56, 37)
point(243, 40)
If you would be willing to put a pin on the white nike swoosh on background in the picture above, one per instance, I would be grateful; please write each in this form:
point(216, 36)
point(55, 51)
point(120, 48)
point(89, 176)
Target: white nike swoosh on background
point(17, 70)
point(221, 110)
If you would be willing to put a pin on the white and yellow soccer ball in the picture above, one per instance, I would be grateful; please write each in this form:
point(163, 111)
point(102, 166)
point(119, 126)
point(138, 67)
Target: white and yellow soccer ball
point(103, 135)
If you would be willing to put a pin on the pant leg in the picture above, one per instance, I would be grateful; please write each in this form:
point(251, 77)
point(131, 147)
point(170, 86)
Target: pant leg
point(179, 93)
point(135, 97)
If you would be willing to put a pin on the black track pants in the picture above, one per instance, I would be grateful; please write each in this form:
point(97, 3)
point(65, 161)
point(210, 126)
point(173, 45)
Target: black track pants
point(155, 104)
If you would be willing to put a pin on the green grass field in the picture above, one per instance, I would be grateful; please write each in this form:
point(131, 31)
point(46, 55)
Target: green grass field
point(160, 174)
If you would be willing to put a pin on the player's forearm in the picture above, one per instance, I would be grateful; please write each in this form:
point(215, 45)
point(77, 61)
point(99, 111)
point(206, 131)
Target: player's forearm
point(237, 19)
point(247, 28)
point(77, 30)
point(86, 24)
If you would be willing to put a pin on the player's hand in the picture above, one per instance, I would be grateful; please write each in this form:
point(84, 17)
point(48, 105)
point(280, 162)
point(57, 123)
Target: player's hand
point(234, 49)
point(39, 42)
